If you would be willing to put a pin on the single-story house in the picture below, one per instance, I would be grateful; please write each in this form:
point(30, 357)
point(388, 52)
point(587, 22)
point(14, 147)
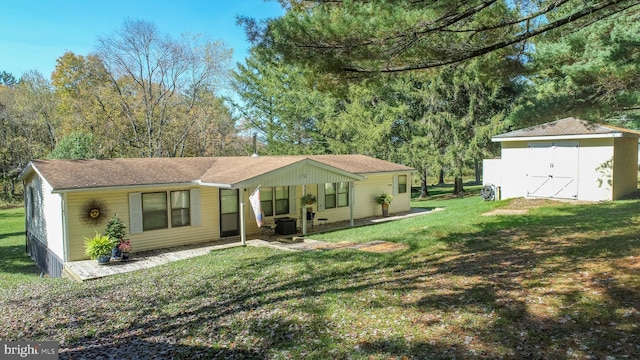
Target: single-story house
point(166, 202)
point(568, 158)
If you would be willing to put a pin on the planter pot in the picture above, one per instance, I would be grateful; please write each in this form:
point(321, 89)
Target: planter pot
point(104, 259)
point(126, 256)
point(385, 210)
point(115, 252)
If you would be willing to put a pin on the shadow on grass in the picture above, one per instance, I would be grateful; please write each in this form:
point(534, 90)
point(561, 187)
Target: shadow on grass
point(161, 348)
point(14, 260)
point(8, 235)
point(511, 287)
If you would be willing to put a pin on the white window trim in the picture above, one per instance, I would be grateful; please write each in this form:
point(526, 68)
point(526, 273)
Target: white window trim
point(135, 211)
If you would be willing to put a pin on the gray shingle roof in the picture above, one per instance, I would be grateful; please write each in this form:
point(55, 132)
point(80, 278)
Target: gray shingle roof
point(567, 126)
point(85, 174)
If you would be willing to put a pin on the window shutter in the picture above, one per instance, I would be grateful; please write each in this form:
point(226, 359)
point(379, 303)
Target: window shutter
point(395, 184)
point(320, 197)
point(194, 199)
point(292, 199)
point(135, 213)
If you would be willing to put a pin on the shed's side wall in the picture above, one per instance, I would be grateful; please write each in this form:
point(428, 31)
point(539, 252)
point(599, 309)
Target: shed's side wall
point(514, 158)
point(625, 167)
point(492, 172)
point(595, 173)
point(118, 203)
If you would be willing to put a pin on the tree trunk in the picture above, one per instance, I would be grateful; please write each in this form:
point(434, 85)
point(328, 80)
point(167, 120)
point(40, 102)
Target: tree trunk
point(477, 166)
point(458, 187)
point(424, 192)
point(441, 177)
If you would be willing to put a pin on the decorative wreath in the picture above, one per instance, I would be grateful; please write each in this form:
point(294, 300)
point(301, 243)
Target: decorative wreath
point(94, 212)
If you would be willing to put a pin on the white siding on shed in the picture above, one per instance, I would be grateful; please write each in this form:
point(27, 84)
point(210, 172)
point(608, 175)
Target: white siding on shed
point(529, 169)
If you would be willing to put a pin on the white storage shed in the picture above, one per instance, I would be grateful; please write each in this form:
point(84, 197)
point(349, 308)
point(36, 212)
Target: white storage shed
point(568, 158)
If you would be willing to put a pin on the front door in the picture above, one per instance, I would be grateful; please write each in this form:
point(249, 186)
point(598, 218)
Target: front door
point(229, 212)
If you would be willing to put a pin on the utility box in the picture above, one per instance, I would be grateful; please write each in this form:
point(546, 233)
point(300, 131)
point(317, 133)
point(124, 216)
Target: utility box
point(285, 226)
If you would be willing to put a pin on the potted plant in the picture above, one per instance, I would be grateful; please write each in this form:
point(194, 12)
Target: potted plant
point(116, 231)
point(99, 247)
point(125, 248)
point(384, 199)
point(308, 199)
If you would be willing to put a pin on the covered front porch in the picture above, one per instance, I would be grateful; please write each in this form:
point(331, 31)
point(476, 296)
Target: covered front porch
point(273, 200)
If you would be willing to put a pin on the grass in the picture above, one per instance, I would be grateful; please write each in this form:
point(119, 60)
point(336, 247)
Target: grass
point(16, 267)
point(558, 283)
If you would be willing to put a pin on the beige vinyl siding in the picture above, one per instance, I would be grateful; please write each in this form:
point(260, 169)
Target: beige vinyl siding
point(118, 202)
point(297, 174)
point(625, 170)
point(365, 193)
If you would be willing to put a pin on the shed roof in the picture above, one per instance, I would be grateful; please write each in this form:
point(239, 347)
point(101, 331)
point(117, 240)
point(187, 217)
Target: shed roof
point(568, 128)
point(124, 172)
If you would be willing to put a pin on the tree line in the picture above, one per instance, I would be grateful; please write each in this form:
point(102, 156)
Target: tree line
point(140, 94)
point(421, 83)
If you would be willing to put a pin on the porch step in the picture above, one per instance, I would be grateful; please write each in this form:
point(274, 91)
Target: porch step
point(69, 274)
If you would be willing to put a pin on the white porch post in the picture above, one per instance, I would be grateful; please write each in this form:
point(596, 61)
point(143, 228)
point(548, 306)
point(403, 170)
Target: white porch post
point(243, 231)
point(303, 211)
point(351, 201)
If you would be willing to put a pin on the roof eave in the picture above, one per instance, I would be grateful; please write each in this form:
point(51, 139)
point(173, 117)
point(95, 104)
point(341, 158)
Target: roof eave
point(411, 170)
point(562, 137)
point(218, 185)
point(122, 187)
point(28, 170)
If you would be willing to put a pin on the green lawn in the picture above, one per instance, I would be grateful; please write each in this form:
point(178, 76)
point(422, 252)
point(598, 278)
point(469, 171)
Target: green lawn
point(15, 266)
point(558, 283)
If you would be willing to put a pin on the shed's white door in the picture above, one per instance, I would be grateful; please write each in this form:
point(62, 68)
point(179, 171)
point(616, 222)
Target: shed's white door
point(553, 170)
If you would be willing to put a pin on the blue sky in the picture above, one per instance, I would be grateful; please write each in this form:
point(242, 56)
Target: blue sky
point(34, 33)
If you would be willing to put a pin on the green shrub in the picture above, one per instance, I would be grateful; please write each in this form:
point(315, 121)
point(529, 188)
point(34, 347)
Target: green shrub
point(97, 246)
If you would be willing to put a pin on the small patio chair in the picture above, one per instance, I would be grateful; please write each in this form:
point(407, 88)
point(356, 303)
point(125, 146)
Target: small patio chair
point(268, 229)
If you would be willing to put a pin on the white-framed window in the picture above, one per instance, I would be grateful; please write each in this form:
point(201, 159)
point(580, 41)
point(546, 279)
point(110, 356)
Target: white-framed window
point(154, 211)
point(402, 184)
point(274, 200)
point(163, 210)
point(180, 208)
point(336, 195)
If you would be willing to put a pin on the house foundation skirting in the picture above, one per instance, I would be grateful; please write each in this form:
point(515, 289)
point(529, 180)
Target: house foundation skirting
point(43, 257)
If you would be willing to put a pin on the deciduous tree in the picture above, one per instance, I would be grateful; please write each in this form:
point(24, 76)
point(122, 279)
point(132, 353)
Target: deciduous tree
point(157, 80)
